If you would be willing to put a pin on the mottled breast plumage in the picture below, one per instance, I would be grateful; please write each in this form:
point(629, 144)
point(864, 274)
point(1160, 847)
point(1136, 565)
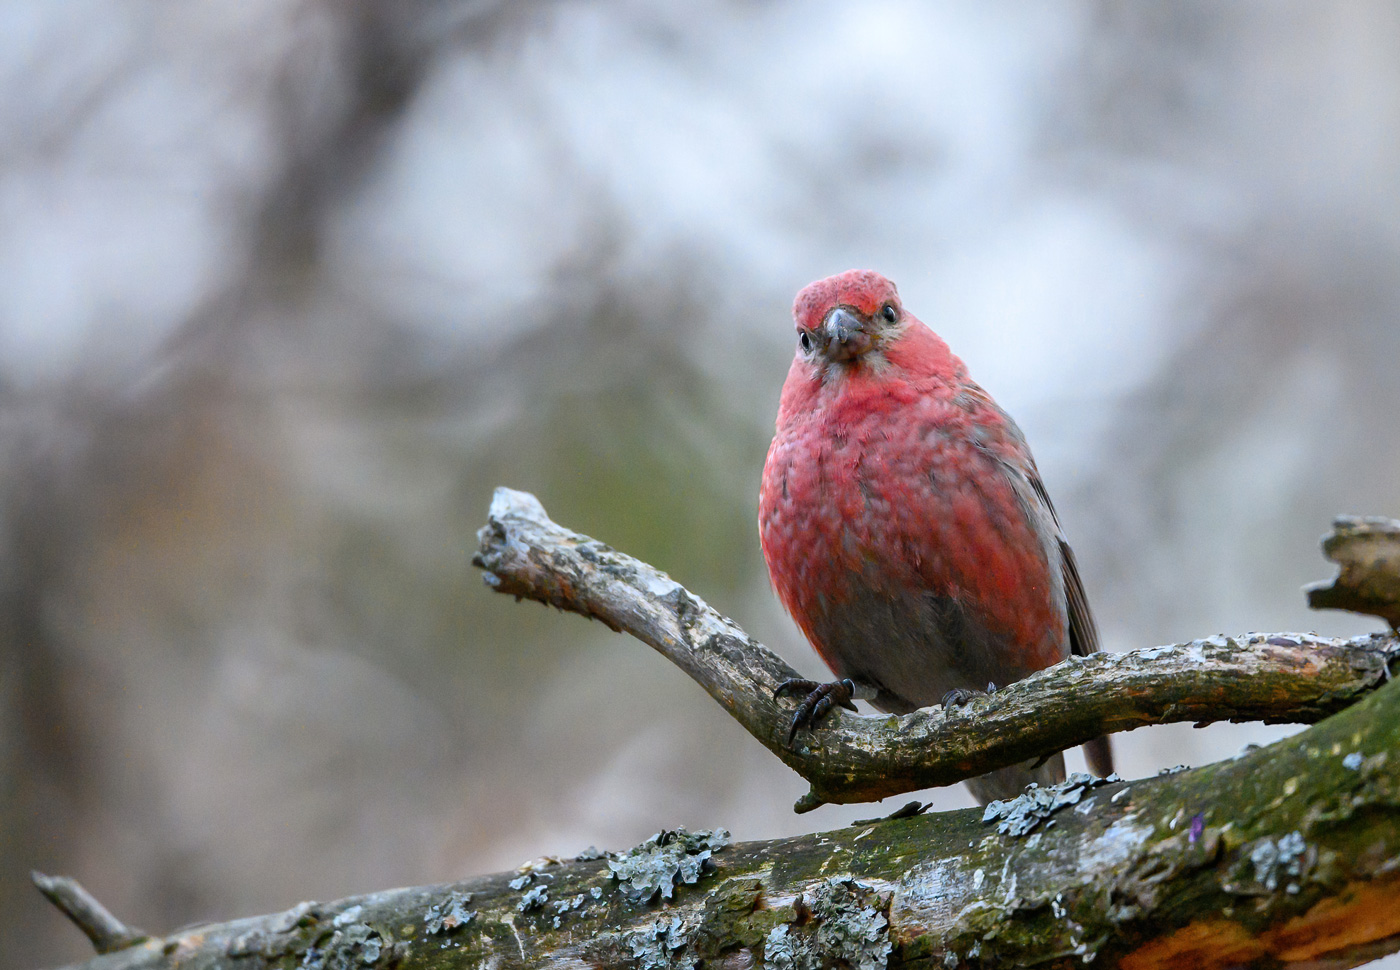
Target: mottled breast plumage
point(858, 510)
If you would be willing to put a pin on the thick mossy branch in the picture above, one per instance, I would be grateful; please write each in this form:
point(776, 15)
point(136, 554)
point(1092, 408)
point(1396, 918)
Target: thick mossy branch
point(1288, 855)
point(1279, 678)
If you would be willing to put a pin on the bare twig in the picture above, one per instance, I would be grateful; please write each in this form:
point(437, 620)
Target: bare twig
point(107, 933)
point(1280, 678)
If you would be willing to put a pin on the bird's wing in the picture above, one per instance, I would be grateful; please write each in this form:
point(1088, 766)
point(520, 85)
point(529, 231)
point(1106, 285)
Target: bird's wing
point(1083, 633)
point(1003, 442)
point(1012, 454)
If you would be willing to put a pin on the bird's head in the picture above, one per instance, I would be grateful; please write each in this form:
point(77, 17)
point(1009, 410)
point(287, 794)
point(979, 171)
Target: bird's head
point(848, 318)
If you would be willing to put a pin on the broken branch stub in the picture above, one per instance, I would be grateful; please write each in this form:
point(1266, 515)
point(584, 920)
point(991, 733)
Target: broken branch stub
point(1277, 678)
point(1367, 550)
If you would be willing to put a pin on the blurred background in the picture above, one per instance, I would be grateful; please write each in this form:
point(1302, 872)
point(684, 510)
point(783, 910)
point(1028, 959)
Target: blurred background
point(288, 286)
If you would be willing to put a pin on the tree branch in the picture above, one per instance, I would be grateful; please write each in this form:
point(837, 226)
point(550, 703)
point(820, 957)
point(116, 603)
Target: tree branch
point(1280, 678)
point(1368, 552)
point(107, 933)
point(1287, 856)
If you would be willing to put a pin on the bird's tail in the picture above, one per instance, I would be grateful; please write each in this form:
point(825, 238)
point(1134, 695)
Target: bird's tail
point(1007, 783)
point(1098, 754)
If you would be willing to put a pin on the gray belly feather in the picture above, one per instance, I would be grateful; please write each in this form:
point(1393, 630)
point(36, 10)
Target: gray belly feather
point(911, 649)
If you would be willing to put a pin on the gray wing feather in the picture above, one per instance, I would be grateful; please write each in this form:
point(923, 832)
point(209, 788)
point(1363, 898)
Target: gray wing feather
point(1083, 633)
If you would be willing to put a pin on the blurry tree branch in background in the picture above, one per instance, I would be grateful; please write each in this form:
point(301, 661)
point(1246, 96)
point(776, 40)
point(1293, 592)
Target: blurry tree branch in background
point(1281, 678)
point(1286, 855)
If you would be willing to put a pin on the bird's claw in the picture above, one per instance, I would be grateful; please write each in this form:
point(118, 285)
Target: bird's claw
point(820, 699)
point(795, 686)
point(959, 696)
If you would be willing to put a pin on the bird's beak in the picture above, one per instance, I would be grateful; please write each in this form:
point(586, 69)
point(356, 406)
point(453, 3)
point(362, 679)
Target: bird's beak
point(844, 335)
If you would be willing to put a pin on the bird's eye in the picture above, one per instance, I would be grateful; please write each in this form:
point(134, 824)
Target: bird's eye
point(889, 313)
point(805, 341)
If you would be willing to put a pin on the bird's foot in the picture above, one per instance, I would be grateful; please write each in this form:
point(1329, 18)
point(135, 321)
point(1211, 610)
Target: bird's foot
point(959, 696)
point(820, 699)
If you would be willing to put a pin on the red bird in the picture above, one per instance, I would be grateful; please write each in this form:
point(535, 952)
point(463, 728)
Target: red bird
point(905, 525)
